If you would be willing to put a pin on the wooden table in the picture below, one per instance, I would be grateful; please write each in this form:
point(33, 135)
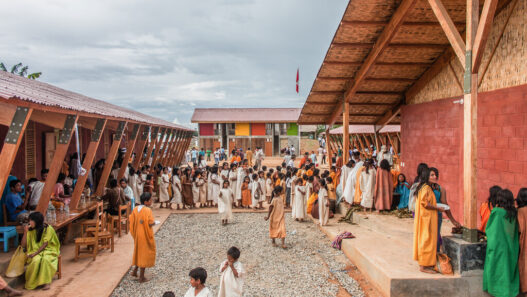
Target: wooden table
point(64, 220)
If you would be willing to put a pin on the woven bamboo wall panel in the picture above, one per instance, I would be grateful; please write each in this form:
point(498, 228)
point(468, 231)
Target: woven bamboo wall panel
point(347, 54)
point(329, 85)
point(422, 34)
point(312, 108)
point(324, 97)
point(371, 10)
point(400, 71)
point(423, 13)
point(377, 98)
point(386, 86)
point(363, 34)
point(332, 70)
point(506, 69)
point(402, 54)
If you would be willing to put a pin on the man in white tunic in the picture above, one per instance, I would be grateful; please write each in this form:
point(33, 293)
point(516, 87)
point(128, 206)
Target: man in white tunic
point(323, 204)
point(349, 190)
point(367, 186)
point(384, 155)
point(346, 169)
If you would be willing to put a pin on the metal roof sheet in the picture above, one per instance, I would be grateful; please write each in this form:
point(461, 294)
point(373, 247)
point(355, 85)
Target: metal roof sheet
point(17, 87)
point(245, 115)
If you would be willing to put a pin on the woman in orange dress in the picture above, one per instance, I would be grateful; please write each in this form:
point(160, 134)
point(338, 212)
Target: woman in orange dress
point(246, 193)
point(486, 207)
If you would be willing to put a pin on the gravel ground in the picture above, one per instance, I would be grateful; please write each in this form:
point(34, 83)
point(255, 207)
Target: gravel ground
point(309, 267)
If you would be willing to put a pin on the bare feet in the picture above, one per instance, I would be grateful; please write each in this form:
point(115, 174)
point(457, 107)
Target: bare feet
point(134, 272)
point(45, 287)
point(284, 247)
point(274, 244)
point(143, 280)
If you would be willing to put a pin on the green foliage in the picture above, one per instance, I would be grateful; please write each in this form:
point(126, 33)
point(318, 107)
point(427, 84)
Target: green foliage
point(21, 70)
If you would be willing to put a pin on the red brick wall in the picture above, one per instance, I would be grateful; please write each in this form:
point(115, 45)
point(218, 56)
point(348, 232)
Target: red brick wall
point(432, 133)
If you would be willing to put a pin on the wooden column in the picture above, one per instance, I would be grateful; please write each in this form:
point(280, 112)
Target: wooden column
point(129, 150)
point(328, 148)
point(169, 147)
point(56, 163)
point(177, 145)
point(110, 158)
point(173, 149)
point(141, 147)
point(185, 143)
point(470, 211)
point(88, 160)
point(158, 147)
point(153, 138)
point(346, 131)
point(20, 116)
point(181, 148)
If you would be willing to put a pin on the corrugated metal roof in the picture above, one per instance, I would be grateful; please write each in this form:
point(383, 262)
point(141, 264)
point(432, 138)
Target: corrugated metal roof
point(367, 129)
point(17, 87)
point(245, 115)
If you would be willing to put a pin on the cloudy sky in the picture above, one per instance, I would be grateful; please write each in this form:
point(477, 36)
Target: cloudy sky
point(166, 57)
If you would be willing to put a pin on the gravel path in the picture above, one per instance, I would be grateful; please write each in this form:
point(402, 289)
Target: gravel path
point(309, 267)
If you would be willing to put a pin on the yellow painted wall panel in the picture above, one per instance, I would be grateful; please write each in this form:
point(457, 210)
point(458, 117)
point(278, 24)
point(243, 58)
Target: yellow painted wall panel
point(243, 129)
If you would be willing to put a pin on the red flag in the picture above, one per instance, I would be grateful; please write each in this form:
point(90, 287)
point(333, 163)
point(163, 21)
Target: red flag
point(297, 77)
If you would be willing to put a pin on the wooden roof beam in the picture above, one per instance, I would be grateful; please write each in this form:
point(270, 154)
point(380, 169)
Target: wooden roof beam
point(392, 45)
point(377, 64)
point(381, 23)
point(388, 117)
point(449, 28)
point(379, 79)
point(484, 27)
point(382, 42)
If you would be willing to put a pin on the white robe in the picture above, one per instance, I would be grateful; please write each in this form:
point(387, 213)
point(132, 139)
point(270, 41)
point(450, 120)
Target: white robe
point(163, 188)
point(176, 198)
point(367, 187)
point(231, 286)
point(299, 207)
point(224, 173)
point(225, 204)
point(254, 186)
point(205, 292)
point(349, 190)
point(344, 176)
point(233, 184)
point(323, 210)
point(268, 187)
point(384, 156)
point(240, 175)
point(214, 188)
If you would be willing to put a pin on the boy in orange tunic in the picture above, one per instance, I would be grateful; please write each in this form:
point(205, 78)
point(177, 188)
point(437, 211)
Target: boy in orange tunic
point(141, 222)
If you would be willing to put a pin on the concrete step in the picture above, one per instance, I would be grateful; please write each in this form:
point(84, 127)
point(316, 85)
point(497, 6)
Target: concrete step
point(382, 250)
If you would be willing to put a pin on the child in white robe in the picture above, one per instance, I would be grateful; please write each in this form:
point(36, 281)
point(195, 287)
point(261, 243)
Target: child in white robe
point(323, 204)
point(225, 203)
point(176, 189)
point(233, 177)
point(198, 276)
point(268, 187)
point(367, 186)
point(256, 191)
point(261, 181)
point(232, 275)
point(214, 186)
point(299, 207)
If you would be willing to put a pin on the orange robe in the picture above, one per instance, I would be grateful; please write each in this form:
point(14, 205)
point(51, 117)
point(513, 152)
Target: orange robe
point(311, 201)
point(144, 243)
point(309, 172)
point(277, 183)
point(277, 219)
point(246, 195)
point(358, 193)
point(484, 212)
point(425, 228)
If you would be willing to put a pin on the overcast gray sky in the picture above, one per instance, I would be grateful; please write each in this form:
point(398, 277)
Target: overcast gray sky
point(167, 57)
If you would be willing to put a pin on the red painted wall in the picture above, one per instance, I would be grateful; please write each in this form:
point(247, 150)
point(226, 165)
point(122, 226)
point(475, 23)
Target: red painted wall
point(432, 133)
point(206, 129)
point(258, 129)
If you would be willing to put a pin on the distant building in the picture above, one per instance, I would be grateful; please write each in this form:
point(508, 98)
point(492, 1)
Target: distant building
point(269, 128)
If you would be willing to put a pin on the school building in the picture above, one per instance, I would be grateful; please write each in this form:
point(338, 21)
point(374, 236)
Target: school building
point(269, 128)
point(452, 73)
point(42, 126)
